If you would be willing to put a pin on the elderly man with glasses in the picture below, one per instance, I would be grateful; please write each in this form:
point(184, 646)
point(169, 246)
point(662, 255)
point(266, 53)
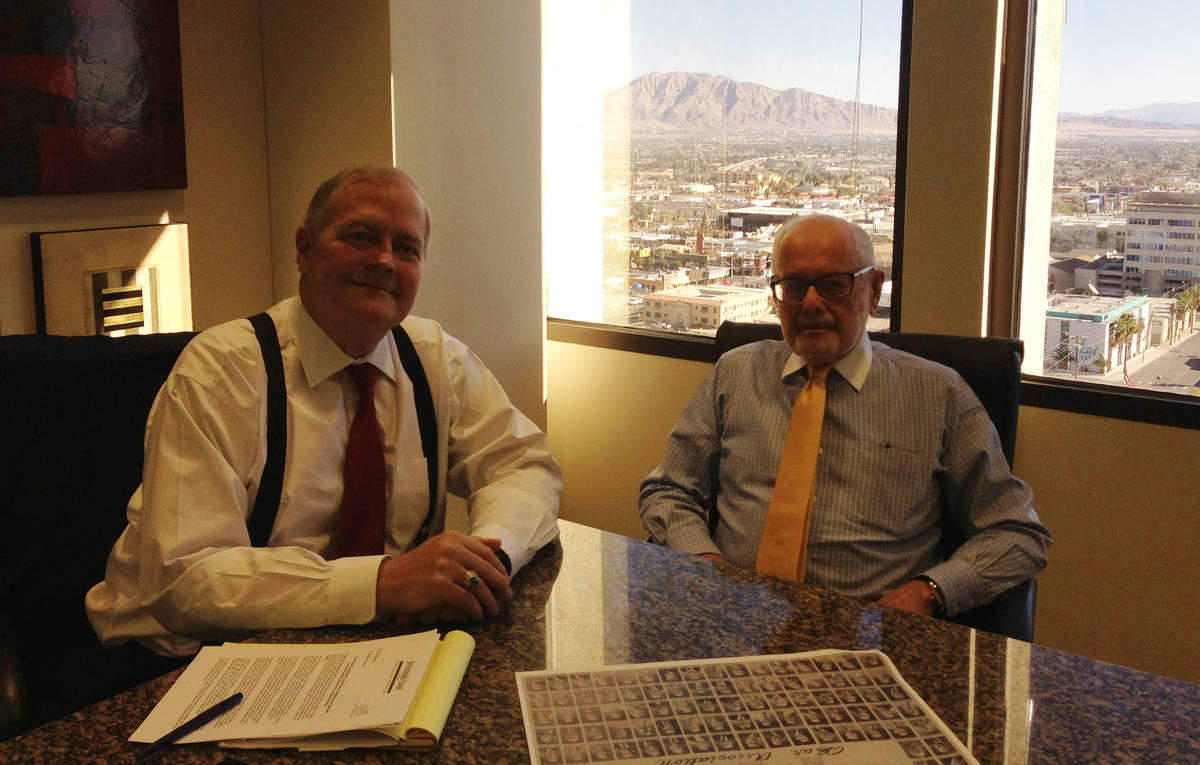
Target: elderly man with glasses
point(828, 458)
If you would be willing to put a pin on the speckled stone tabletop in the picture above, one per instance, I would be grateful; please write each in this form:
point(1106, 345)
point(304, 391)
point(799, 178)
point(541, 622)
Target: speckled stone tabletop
point(595, 598)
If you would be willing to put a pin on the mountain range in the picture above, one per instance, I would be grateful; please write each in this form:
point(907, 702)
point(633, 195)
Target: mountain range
point(682, 102)
point(1160, 113)
point(709, 104)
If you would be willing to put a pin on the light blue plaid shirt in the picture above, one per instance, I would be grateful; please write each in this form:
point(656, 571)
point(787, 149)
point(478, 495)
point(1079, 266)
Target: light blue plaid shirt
point(901, 436)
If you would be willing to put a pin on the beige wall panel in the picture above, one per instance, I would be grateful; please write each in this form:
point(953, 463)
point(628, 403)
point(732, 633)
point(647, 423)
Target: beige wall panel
point(1120, 499)
point(328, 106)
point(468, 128)
point(609, 415)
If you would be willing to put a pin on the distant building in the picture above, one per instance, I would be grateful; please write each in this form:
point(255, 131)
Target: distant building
point(1063, 270)
point(1162, 251)
point(1091, 233)
point(1104, 275)
point(1166, 326)
point(1079, 332)
point(755, 217)
point(704, 307)
point(657, 281)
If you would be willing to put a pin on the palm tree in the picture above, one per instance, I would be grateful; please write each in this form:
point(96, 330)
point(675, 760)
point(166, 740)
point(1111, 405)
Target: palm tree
point(1188, 302)
point(1121, 332)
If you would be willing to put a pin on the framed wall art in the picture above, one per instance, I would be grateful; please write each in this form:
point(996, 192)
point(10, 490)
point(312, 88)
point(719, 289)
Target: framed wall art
point(112, 281)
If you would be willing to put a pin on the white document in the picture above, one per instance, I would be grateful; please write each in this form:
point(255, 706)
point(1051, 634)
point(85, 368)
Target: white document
point(359, 691)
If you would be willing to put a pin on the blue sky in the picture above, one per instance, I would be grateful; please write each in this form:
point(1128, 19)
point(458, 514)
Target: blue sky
point(1114, 51)
point(809, 44)
point(1120, 54)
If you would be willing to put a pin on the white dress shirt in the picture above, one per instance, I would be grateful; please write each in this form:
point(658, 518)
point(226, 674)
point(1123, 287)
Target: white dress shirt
point(184, 569)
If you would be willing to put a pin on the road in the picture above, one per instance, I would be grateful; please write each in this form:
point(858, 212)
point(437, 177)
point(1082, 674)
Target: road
point(1174, 370)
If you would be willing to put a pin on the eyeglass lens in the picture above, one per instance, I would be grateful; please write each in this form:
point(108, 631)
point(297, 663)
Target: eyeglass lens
point(831, 286)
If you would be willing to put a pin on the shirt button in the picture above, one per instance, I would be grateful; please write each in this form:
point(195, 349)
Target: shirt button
point(820, 450)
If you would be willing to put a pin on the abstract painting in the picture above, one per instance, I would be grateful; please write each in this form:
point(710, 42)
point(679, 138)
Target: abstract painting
point(91, 96)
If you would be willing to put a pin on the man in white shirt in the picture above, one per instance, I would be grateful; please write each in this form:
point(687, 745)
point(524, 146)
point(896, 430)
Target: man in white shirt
point(185, 570)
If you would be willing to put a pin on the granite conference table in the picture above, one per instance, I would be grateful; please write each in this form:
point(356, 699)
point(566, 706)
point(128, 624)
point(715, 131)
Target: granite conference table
point(596, 598)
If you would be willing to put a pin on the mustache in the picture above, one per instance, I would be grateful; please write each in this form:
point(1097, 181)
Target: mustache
point(814, 321)
point(375, 278)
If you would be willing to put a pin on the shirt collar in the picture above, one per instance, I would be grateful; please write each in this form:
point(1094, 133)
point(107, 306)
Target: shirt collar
point(854, 366)
point(321, 358)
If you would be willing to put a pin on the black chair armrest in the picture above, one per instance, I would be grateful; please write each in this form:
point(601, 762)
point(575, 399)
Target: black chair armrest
point(1010, 613)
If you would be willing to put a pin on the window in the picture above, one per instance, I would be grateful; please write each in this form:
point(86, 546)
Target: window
point(1115, 146)
point(673, 148)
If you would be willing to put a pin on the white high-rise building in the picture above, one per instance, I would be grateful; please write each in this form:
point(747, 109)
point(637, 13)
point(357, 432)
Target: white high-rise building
point(1162, 242)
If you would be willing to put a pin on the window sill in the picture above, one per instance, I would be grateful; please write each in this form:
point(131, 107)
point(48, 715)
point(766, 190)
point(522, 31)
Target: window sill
point(649, 341)
point(1134, 404)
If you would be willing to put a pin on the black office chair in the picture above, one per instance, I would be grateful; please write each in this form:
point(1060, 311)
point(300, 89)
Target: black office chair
point(74, 412)
point(992, 367)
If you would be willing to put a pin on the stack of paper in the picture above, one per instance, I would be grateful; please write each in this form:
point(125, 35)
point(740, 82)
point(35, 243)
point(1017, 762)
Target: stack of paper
point(390, 692)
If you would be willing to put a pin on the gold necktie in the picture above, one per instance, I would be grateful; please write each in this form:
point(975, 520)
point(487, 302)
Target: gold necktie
point(784, 543)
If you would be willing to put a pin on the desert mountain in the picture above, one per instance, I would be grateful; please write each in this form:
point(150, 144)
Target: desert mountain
point(678, 103)
point(682, 102)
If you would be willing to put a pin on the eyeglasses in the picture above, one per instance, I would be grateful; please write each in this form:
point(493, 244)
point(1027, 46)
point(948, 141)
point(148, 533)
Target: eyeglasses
point(793, 289)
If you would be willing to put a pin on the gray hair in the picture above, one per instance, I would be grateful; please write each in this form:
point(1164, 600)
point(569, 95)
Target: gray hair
point(862, 239)
point(318, 214)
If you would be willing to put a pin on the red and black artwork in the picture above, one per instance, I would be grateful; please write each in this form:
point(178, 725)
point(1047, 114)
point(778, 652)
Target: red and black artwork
point(91, 97)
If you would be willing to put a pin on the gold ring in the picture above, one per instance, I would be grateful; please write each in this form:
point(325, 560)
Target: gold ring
point(470, 580)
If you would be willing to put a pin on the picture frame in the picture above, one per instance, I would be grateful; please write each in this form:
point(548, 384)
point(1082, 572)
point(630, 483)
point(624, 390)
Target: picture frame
point(112, 281)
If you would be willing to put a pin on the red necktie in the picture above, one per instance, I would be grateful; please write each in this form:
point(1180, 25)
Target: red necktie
point(360, 531)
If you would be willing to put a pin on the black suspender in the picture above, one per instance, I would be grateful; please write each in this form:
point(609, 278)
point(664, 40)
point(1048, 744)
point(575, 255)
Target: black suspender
point(266, 503)
point(426, 419)
point(270, 486)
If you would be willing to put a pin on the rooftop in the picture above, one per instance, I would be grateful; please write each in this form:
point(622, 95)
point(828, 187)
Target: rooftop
point(1092, 307)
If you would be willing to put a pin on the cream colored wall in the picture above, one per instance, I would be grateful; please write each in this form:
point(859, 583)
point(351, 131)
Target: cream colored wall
point(468, 126)
point(225, 202)
point(1120, 498)
point(327, 78)
point(609, 413)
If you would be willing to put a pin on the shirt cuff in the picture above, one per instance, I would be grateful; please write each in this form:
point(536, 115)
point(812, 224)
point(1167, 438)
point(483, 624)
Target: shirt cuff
point(512, 547)
point(352, 589)
point(959, 583)
point(692, 538)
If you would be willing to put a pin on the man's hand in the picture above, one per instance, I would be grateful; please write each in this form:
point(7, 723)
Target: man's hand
point(913, 595)
point(427, 583)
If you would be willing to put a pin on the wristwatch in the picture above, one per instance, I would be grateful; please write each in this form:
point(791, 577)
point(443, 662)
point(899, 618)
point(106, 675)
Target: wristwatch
point(936, 595)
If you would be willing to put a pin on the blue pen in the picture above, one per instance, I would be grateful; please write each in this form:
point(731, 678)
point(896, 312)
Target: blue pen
point(212, 713)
